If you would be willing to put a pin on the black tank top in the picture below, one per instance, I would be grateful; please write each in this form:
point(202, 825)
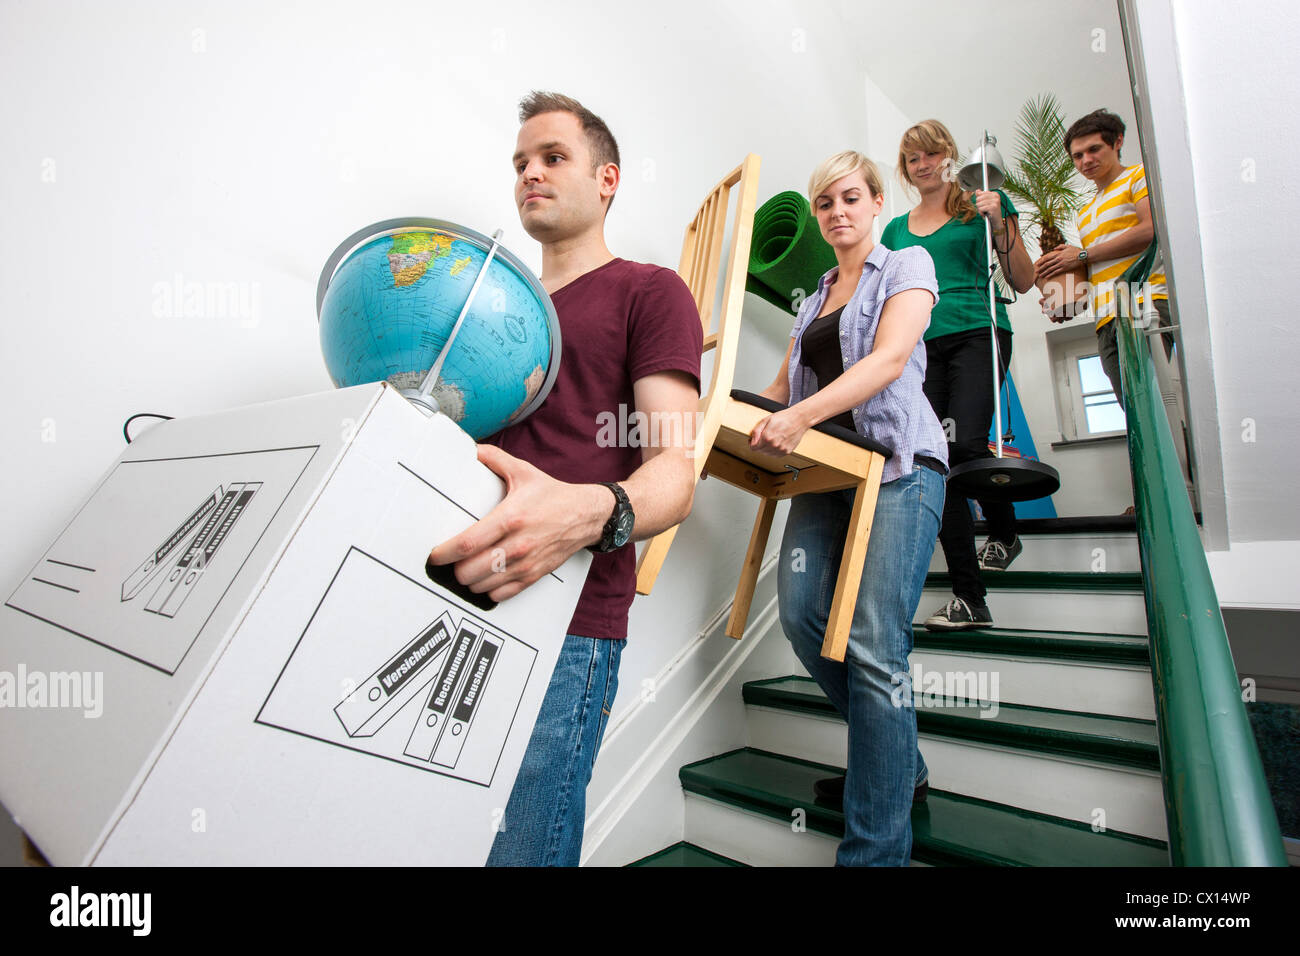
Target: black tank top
point(821, 353)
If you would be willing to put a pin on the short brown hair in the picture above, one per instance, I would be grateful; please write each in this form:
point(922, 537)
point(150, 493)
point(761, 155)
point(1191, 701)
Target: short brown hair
point(604, 148)
point(1102, 121)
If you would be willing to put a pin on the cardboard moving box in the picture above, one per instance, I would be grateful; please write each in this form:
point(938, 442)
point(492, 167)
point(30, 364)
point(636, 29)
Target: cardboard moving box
point(233, 653)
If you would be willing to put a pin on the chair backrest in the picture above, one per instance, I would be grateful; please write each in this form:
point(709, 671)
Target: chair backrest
point(701, 255)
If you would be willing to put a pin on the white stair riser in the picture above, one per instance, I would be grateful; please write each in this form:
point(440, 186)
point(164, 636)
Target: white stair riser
point(1116, 690)
point(753, 838)
point(1066, 552)
point(1070, 611)
point(1132, 799)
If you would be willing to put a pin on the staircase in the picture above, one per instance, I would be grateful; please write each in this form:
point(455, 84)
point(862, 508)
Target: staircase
point(1039, 734)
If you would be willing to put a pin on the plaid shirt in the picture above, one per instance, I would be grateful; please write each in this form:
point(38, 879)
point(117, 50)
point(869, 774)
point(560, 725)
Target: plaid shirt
point(899, 415)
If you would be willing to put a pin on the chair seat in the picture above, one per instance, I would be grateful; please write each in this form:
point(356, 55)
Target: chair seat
point(835, 431)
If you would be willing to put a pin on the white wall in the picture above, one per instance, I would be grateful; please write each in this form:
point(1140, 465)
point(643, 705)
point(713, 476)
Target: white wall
point(1241, 86)
point(240, 142)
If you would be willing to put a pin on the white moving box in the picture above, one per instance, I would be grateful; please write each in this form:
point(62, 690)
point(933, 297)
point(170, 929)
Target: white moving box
point(233, 653)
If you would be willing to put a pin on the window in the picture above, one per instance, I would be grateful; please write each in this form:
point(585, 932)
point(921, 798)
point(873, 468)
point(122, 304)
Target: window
point(1087, 407)
point(1102, 412)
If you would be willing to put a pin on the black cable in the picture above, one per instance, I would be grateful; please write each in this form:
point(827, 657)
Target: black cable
point(127, 424)
point(1011, 241)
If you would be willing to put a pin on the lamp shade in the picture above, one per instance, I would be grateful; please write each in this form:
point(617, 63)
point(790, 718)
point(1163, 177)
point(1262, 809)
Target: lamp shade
point(971, 177)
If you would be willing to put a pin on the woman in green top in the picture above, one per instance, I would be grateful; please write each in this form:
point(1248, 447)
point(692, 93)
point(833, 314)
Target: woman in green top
point(959, 358)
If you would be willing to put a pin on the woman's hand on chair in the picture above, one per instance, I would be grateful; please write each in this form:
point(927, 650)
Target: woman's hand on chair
point(779, 434)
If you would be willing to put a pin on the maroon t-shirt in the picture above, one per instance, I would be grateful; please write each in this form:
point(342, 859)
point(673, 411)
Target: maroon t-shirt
point(618, 323)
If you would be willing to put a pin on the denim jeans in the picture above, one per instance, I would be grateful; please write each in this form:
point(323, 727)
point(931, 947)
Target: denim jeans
point(871, 688)
point(544, 817)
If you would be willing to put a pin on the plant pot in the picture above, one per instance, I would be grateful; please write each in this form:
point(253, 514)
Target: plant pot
point(1066, 293)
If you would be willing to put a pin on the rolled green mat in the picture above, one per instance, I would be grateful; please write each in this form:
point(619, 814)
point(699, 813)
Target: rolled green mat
point(787, 251)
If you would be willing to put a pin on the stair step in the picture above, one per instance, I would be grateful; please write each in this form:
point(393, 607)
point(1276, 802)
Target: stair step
point(1068, 553)
point(947, 829)
point(1114, 740)
point(1088, 524)
point(686, 854)
point(1027, 608)
point(1111, 581)
point(1074, 766)
point(1052, 645)
point(1087, 673)
point(1118, 690)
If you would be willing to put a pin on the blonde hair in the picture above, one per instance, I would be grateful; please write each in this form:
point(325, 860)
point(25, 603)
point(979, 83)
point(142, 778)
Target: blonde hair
point(931, 136)
point(840, 165)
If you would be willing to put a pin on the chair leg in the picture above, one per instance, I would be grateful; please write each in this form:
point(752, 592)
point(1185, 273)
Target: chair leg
point(836, 642)
point(652, 559)
point(749, 572)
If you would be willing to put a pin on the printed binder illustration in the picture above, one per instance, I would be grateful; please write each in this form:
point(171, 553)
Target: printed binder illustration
point(194, 561)
point(444, 720)
point(154, 563)
point(388, 689)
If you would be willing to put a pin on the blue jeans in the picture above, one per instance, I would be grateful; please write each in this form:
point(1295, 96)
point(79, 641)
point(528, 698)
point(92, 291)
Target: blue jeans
point(871, 687)
point(544, 817)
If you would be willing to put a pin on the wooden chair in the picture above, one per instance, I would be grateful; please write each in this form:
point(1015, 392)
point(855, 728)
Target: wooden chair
point(827, 458)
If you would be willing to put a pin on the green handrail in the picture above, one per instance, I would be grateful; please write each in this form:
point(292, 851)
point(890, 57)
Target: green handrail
point(1216, 800)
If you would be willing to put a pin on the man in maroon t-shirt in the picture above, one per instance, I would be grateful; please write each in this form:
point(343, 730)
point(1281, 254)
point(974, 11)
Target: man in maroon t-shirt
point(631, 343)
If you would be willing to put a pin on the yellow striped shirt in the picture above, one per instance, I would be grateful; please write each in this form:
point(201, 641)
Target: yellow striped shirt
point(1110, 213)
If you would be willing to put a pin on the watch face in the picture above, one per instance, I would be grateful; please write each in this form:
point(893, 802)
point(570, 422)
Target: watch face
point(624, 529)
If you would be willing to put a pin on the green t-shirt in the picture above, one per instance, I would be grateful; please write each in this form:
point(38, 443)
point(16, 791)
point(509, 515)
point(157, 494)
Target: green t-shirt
point(961, 266)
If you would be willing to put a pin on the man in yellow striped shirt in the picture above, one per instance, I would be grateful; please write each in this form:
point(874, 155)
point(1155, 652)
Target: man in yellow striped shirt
point(1115, 228)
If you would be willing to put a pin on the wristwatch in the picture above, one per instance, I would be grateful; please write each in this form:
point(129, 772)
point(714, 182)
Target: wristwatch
point(618, 529)
point(1083, 255)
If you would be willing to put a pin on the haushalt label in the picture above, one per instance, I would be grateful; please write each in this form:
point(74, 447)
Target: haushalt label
point(487, 653)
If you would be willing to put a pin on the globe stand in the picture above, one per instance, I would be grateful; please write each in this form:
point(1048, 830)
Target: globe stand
point(997, 478)
point(422, 397)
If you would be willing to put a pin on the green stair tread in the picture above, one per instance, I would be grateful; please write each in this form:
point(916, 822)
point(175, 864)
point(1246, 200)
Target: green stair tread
point(947, 828)
point(1124, 740)
point(1048, 580)
point(686, 854)
point(1055, 645)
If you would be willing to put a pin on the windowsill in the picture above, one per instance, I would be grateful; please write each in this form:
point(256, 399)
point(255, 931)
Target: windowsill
point(1103, 440)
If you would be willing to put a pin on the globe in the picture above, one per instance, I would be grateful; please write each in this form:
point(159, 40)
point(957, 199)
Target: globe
point(389, 299)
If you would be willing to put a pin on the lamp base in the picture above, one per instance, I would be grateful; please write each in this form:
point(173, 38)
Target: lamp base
point(1004, 479)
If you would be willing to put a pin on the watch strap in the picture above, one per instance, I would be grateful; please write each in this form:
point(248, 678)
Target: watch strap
point(622, 504)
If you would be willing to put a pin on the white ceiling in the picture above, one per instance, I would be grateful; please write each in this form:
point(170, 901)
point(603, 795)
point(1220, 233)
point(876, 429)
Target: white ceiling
point(973, 63)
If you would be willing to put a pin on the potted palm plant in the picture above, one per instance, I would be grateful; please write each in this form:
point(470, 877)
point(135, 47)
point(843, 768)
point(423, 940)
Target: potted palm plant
point(1043, 176)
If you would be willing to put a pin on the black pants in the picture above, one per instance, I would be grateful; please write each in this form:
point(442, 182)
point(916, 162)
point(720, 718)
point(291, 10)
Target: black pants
point(959, 385)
